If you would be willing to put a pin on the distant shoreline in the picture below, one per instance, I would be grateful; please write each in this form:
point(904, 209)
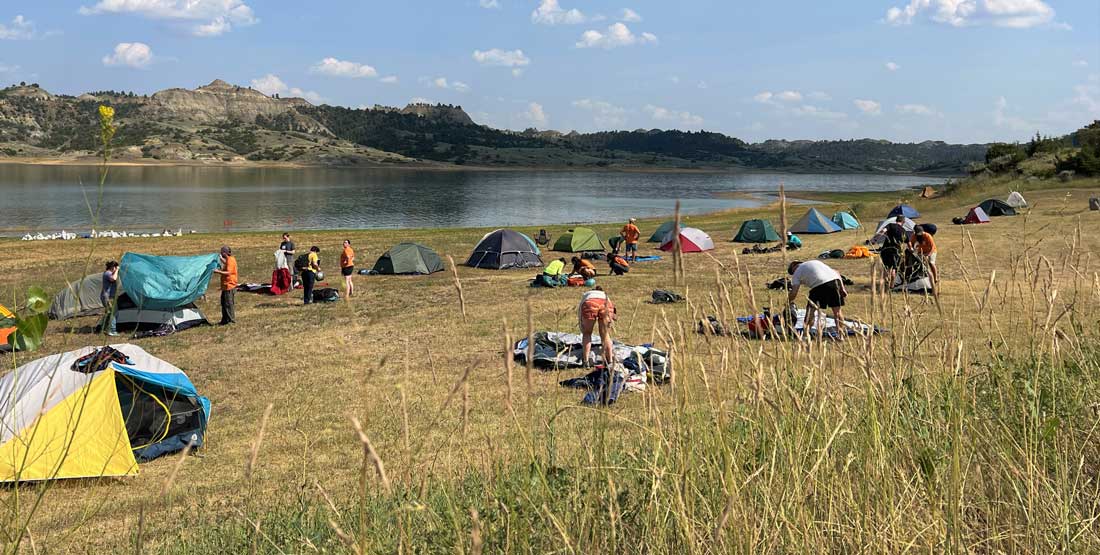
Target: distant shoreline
point(439, 167)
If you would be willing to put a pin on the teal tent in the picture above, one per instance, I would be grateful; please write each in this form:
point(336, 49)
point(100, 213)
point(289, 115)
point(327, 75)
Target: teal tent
point(756, 231)
point(409, 258)
point(662, 232)
point(814, 222)
point(846, 220)
point(165, 282)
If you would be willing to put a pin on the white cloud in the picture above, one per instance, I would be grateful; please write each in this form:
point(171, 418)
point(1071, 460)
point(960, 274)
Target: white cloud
point(550, 12)
point(807, 110)
point(443, 83)
point(5, 68)
point(536, 115)
point(917, 110)
point(1016, 14)
point(618, 34)
point(20, 28)
point(1088, 98)
point(605, 114)
point(892, 66)
point(789, 96)
point(501, 58)
point(686, 119)
point(819, 95)
point(220, 16)
point(1080, 63)
point(489, 4)
point(270, 84)
point(768, 97)
point(342, 68)
point(869, 107)
point(630, 16)
point(420, 100)
point(1002, 118)
point(389, 79)
point(130, 54)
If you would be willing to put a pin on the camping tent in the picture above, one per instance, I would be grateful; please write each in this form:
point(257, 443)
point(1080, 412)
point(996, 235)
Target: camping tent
point(994, 208)
point(409, 258)
point(904, 210)
point(976, 216)
point(756, 231)
point(79, 298)
point(61, 420)
point(162, 290)
point(504, 249)
point(691, 240)
point(845, 220)
point(662, 231)
point(1016, 200)
point(814, 222)
point(908, 225)
point(579, 239)
point(912, 275)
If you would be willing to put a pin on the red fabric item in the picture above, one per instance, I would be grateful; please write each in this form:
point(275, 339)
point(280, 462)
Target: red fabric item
point(280, 281)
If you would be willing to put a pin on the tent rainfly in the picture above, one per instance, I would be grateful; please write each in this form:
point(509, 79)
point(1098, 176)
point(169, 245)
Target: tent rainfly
point(904, 210)
point(756, 231)
point(79, 298)
point(162, 290)
point(814, 222)
point(976, 216)
point(579, 239)
point(409, 258)
point(845, 220)
point(1016, 200)
point(87, 414)
point(662, 231)
point(691, 240)
point(994, 208)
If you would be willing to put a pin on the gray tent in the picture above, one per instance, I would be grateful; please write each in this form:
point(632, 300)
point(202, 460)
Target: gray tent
point(409, 258)
point(79, 298)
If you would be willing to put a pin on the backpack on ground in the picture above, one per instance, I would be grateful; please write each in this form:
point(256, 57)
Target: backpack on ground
point(326, 295)
point(662, 296)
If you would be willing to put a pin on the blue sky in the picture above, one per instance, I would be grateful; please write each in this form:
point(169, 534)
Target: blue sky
point(904, 70)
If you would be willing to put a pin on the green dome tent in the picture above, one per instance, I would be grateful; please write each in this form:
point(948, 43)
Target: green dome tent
point(846, 220)
point(662, 232)
point(409, 258)
point(579, 239)
point(756, 231)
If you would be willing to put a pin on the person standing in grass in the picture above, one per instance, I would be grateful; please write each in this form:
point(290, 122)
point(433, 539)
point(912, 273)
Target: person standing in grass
point(287, 248)
point(891, 251)
point(826, 291)
point(107, 297)
point(631, 235)
point(925, 246)
point(596, 308)
point(309, 273)
point(228, 273)
point(347, 268)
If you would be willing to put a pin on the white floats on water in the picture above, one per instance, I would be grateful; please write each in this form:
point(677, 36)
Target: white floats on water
point(110, 234)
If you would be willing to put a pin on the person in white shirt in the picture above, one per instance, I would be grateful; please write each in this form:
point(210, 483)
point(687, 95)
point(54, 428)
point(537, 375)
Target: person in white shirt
point(826, 291)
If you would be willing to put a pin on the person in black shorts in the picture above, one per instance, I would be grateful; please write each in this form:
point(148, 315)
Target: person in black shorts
point(826, 291)
point(891, 251)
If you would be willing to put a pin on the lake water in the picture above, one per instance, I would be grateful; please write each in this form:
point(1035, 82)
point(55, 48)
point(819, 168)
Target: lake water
point(51, 198)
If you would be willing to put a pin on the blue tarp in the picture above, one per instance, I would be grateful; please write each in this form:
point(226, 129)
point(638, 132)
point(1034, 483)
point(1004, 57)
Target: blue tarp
point(165, 282)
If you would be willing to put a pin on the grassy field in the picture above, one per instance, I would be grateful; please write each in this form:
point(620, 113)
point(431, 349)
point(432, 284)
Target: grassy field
point(968, 428)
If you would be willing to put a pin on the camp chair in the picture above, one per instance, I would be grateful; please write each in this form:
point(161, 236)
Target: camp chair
point(543, 238)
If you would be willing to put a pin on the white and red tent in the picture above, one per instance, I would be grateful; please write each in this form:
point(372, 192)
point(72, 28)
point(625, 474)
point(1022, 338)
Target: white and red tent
point(691, 240)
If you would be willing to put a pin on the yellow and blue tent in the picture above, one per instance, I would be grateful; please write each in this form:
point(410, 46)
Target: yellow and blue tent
point(85, 414)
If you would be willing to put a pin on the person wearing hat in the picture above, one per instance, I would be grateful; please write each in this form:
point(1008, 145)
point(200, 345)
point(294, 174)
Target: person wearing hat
point(228, 273)
point(631, 235)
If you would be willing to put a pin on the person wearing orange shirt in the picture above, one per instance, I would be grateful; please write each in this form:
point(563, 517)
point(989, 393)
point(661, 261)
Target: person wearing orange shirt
point(631, 235)
point(347, 268)
point(228, 273)
point(583, 268)
point(925, 245)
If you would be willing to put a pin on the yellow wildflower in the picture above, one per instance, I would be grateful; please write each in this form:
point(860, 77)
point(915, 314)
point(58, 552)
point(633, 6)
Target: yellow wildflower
point(106, 125)
point(106, 114)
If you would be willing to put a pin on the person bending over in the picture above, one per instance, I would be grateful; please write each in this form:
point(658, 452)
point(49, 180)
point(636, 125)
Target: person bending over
point(596, 308)
point(583, 268)
point(826, 291)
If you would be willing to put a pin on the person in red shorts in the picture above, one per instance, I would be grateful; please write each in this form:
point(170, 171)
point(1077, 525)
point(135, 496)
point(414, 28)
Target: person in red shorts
point(596, 308)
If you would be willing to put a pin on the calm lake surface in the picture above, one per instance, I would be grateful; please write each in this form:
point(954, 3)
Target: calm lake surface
point(51, 198)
